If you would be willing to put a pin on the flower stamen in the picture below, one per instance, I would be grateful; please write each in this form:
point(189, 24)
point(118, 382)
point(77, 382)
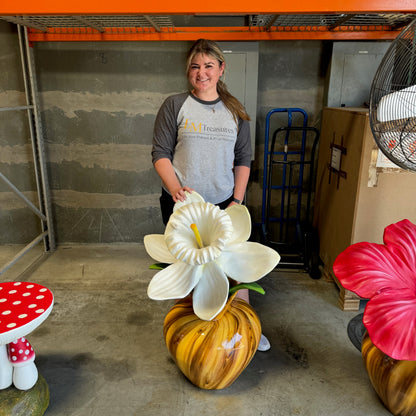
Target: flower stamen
point(197, 235)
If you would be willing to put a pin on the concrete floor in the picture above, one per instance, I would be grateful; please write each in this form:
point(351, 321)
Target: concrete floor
point(102, 350)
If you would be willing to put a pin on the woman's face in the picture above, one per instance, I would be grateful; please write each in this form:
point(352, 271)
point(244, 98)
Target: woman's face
point(203, 74)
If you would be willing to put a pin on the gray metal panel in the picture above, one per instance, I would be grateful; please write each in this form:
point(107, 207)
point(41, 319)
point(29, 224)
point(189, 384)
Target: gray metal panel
point(353, 66)
point(241, 77)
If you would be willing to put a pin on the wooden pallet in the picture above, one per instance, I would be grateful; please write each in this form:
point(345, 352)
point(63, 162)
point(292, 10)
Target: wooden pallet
point(348, 301)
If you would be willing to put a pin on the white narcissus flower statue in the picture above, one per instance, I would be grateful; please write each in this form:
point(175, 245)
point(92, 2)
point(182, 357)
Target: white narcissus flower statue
point(205, 246)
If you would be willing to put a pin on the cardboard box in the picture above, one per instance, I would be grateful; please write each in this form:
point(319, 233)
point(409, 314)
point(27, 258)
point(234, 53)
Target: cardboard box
point(358, 191)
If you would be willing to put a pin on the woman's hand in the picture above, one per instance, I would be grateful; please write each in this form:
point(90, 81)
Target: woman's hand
point(179, 193)
point(166, 172)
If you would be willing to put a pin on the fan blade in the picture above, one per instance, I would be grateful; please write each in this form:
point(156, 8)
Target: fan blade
point(397, 105)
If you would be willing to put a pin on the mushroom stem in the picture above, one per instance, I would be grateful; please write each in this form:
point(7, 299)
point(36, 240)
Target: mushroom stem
point(25, 376)
point(22, 357)
point(6, 369)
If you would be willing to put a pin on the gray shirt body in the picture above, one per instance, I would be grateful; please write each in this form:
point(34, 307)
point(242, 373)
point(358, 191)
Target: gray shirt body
point(203, 142)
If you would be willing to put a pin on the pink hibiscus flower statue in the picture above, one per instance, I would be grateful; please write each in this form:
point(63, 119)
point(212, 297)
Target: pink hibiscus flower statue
point(386, 275)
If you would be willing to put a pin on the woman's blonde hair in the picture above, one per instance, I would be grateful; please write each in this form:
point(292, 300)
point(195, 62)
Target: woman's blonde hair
point(209, 47)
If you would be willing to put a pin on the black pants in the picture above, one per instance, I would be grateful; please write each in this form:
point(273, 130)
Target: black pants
point(166, 205)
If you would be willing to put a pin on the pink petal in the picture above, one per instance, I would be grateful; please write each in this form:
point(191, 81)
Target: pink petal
point(401, 239)
point(367, 268)
point(390, 318)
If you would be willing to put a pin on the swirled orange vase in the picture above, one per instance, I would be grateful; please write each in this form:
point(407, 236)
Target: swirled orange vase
point(212, 354)
point(393, 380)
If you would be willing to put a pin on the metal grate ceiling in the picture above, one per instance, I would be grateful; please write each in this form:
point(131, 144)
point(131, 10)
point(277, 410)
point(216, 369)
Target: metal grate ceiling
point(334, 20)
point(247, 25)
point(100, 23)
point(44, 23)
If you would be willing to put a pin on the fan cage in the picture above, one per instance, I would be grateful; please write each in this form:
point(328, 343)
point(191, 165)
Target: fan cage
point(394, 125)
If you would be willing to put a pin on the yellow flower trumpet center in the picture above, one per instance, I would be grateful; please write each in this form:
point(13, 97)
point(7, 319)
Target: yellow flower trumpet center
point(197, 235)
point(216, 229)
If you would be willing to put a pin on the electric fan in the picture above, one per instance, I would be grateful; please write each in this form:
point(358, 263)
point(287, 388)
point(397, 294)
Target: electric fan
point(393, 101)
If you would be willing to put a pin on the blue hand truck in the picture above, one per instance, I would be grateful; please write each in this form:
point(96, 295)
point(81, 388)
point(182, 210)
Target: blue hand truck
point(286, 224)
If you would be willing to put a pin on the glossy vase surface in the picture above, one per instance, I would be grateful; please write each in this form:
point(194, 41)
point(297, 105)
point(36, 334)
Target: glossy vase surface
point(393, 380)
point(212, 354)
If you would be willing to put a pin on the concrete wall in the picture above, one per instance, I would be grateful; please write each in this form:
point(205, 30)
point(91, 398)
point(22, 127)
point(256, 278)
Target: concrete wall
point(99, 101)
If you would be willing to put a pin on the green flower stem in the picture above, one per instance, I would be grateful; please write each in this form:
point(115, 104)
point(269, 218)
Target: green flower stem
point(158, 266)
point(253, 286)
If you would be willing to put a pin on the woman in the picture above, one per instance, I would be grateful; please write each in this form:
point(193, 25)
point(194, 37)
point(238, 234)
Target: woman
point(201, 139)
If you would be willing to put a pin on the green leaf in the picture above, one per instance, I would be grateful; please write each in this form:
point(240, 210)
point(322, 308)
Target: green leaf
point(158, 266)
point(253, 286)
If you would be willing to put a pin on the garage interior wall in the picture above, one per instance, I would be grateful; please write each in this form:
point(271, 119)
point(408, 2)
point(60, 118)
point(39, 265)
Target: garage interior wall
point(99, 102)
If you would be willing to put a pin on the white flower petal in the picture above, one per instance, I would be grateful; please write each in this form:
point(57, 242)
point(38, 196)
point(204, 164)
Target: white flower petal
point(215, 228)
point(225, 253)
point(190, 197)
point(248, 262)
point(211, 293)
point(157, 249)
point(174, 282)
point(241, 220)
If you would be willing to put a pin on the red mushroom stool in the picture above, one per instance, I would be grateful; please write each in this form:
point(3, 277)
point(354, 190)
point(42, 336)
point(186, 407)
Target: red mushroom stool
point(23, 307)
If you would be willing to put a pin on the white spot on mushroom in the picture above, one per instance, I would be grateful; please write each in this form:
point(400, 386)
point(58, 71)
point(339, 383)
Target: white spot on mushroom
point(26, 294)
point(6, 312)
point(12, 325)
point(3, 300)
point(23, 315)
point(12, 292)
point(32, 305)
point(30, 286)
point(43, 289)
point(17, 283)
point(40, 310)
point(17, 302)
point(40, 297)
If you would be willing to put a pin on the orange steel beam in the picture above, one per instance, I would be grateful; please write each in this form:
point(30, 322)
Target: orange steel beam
point(216, 7)
point(214, 33)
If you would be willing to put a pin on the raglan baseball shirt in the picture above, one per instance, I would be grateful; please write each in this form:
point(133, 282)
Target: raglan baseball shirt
point(203, 142)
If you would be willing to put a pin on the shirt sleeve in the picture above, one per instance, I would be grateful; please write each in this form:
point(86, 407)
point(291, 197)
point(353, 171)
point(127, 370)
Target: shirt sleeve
point(165, 130)
point(242, 149)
